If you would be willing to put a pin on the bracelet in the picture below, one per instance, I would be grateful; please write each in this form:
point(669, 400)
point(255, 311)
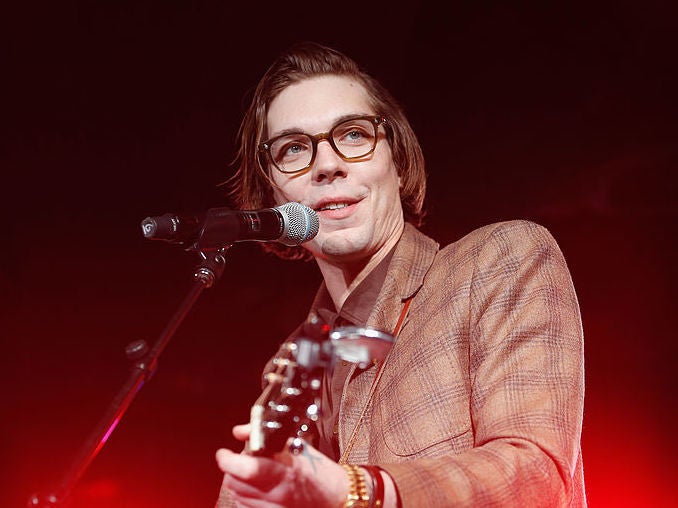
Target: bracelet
point(377, 485)
point(358, 496)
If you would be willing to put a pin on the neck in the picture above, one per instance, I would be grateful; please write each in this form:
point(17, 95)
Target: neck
point(341, 278)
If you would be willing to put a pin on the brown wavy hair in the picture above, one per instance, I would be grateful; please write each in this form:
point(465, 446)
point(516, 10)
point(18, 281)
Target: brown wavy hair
point(250, 186)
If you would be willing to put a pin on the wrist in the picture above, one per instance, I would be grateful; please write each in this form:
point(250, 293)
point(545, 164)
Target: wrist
point(358, 491)
point(375, 486)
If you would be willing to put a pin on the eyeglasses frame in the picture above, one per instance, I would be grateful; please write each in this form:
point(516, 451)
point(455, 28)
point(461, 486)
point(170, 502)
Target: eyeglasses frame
point(376, 120)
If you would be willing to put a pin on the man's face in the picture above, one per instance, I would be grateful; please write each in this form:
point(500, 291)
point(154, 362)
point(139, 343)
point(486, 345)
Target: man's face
point(358, 203)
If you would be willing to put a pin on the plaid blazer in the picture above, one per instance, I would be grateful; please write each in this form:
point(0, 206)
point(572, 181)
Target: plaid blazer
point(480, 402)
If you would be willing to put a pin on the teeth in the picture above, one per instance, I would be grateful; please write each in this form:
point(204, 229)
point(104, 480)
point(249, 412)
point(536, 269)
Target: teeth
point(333, 206)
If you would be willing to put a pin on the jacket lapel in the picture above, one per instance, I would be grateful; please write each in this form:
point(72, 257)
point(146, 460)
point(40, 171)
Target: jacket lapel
point(411, 260)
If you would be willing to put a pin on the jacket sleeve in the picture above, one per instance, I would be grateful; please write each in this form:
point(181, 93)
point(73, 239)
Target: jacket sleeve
point(526, 382)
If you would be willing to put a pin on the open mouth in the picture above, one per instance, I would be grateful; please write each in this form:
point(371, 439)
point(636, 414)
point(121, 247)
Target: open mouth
point(332, 206)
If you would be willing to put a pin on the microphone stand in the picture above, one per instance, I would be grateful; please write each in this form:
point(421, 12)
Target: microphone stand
point(145, 362)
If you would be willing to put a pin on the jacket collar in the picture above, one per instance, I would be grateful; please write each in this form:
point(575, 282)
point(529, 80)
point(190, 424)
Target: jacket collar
point(412, 259)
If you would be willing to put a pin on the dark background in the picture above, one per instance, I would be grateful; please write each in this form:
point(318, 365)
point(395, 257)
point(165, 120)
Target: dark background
point(112, 111)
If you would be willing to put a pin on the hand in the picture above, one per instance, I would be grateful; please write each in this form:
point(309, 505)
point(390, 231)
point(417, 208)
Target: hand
point(307, 479)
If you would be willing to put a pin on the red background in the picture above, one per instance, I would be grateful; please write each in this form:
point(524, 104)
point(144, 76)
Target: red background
point(559, 114)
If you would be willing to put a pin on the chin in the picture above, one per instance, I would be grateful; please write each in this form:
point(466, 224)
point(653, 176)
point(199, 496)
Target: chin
point(345, 248)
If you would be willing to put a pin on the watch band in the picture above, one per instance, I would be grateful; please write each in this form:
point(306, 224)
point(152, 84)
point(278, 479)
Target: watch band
point(358, 496)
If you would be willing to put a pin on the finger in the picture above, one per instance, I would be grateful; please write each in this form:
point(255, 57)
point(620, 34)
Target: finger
point(227, 461)
point(246, 467)
point(268, 494)
point(241, 489)
point(242, 432)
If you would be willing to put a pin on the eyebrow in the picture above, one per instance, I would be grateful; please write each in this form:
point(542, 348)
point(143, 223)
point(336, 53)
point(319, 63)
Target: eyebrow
point(337, 120)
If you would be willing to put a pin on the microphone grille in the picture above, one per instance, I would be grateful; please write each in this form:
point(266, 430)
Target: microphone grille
point(301, 223)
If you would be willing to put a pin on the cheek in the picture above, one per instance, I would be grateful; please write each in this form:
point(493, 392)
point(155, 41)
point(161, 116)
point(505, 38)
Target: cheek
point(278, 186)
point(392, 181)
point(280, 196)
point(285, 192)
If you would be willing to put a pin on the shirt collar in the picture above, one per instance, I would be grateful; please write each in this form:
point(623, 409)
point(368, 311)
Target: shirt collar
point(359, 303)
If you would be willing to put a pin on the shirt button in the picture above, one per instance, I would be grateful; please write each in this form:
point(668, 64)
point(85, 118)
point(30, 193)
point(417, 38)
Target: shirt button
point(335, 430)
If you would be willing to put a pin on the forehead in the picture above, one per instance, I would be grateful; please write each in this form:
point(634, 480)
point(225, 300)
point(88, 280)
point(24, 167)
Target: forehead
point(314, 104)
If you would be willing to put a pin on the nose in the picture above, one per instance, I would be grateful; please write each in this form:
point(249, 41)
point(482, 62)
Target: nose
point(327, 165)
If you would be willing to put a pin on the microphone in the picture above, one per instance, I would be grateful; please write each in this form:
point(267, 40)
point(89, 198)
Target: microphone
point(290, 224)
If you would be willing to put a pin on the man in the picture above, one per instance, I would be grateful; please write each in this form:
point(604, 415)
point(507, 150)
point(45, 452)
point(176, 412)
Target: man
point(480, 400)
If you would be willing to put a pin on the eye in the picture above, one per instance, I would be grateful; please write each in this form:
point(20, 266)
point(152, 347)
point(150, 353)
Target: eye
point(355, 135)
point(293, 149)
point(355, 132)
point(290, 148)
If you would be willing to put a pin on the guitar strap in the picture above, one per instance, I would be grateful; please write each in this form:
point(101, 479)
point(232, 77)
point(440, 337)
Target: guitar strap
point(373, 387)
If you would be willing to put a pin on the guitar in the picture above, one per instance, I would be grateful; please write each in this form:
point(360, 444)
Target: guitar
point(289, 404)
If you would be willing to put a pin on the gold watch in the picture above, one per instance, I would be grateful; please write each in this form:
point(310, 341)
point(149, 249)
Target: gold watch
point(358, 496)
